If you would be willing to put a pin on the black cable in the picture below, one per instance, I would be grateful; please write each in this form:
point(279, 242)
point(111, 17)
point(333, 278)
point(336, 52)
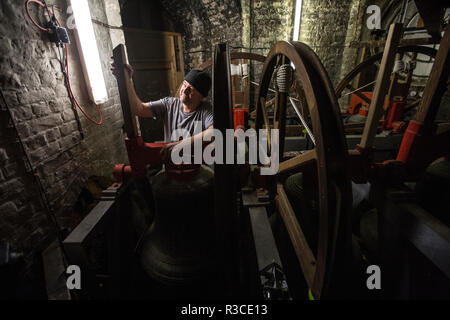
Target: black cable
point(44, 201)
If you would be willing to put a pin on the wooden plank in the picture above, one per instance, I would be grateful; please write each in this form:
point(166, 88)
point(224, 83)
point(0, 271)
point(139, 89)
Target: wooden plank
point(130, 122)
point(54, 271)
point(381, 86)
point(266, 249)
point(403, 42)
point(180, 57)
point(436, 84)
point(94, 220)
point(250, 199)
point(427, 234)
point(150, 32)
point(302, 250)
point(151, 65)
point(297, 161)
point(170, 48)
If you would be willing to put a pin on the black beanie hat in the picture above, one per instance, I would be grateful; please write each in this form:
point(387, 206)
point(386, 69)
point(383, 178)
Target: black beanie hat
point(200, 80)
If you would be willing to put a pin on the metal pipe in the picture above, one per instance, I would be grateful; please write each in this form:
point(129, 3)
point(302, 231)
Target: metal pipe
point(366, 85)
point(303, 121)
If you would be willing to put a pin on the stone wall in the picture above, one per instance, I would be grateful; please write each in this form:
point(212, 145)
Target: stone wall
point(324, 28)
point(204, 23)
point(63, 146)
point(270, 21)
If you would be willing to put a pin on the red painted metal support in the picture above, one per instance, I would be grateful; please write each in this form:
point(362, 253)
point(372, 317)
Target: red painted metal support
point(412, 134)
point(140, 154)
point(240, 116)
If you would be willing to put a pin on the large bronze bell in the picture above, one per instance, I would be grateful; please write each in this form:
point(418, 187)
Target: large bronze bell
point(178, 248)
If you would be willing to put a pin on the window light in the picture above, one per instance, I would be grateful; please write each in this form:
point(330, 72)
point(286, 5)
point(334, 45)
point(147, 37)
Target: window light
point(87, 46)
point(298, 15)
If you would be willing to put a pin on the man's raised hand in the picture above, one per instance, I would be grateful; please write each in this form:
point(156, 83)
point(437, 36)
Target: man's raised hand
point(116, 71)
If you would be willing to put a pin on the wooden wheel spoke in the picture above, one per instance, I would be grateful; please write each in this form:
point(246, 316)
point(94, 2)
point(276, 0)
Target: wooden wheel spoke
point(301, 247)
point(298, 161)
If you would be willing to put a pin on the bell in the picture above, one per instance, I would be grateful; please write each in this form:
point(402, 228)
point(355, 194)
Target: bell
point(178, 248)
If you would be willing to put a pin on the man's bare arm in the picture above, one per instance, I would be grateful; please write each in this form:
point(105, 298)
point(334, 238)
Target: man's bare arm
point(138, 107)
point(203, 137)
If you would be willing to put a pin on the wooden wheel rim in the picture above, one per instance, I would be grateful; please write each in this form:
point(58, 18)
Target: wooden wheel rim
point(330, 155)
point(377, 57)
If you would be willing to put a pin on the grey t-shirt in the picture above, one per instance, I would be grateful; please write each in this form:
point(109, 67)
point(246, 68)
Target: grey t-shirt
point(170, 110)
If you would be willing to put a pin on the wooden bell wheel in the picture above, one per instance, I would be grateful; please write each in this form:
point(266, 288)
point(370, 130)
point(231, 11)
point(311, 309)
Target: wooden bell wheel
point(326, 161)
point(241, 56)
point(345, 83)
point(234, 55)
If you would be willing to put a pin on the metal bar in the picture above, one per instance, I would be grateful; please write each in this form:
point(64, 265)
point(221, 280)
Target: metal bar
point(366, 85)
point(302, 120)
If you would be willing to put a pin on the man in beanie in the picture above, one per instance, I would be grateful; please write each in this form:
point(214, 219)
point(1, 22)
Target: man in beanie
point(188, 112)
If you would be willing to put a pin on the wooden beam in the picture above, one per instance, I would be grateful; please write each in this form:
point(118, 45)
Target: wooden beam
point(301, 247)
point(266, 249)
point(92, 222)
point(381, 86)
point(403, 42)
point(151, 65)
point(54, 269)
point(436, 85)
point(130, 122)
point(250, 199)
point(151, 32)
point(297, 161)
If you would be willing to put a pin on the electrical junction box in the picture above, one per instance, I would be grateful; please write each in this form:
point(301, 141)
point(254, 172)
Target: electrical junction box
point(58, 34)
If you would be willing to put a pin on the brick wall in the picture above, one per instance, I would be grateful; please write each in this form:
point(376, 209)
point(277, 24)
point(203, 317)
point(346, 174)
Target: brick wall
point(64, 151)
